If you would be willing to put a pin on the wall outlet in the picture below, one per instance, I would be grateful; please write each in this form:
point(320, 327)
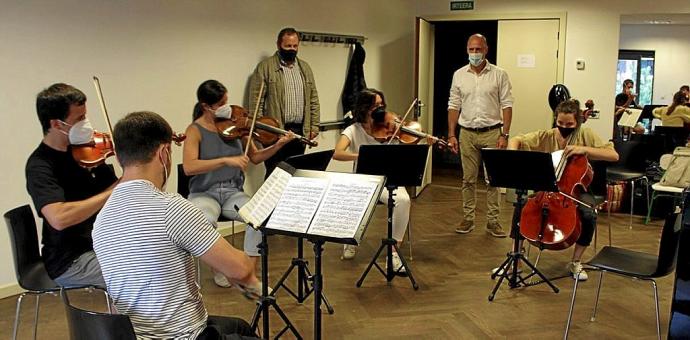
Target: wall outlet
point(580, 64)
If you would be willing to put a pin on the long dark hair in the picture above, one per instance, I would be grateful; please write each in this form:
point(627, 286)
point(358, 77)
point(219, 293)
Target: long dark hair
point(365, 100)
point(678, 99)
point(209, 93)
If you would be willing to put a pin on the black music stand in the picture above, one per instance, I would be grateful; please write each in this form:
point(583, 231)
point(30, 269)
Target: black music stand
point(503, 171)
point(312, 161)
point(403, 165)
point(266, 300)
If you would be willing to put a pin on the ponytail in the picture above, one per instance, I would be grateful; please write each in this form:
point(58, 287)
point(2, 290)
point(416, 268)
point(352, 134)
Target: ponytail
point(197, 112)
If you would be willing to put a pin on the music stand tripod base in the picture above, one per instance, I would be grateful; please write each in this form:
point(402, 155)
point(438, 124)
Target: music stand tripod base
point(502, 172)
point(304, 277)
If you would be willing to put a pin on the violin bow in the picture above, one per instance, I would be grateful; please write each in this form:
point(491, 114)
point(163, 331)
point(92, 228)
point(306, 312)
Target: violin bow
point(256, 110)
point(407, 113)
point(97, 84)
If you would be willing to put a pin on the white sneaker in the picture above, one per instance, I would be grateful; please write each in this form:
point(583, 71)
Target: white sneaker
point(221, 280)
point(349, 252)
point(397, 264)
point(576, 269)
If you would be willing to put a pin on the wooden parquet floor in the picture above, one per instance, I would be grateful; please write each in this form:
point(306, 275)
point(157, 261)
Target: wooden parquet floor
point(453, 273)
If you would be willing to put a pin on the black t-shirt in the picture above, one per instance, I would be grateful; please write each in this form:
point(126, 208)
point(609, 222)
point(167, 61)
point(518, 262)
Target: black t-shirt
point(54, 176)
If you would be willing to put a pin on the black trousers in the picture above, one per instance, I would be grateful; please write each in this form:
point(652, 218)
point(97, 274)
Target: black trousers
point(226, 328)
point(295, 147)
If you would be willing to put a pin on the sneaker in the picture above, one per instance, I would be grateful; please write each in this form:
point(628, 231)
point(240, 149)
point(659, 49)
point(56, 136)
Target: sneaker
point(397, 264)
point(349, 252)
point(465, 227)
point(221, 280)
point(576, 269)
point(495, 229)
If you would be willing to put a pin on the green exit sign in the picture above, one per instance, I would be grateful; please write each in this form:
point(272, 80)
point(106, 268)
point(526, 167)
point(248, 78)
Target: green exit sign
point(462, 5)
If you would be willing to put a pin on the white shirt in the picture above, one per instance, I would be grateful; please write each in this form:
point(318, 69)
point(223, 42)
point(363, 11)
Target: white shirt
point(358, 137)
point(481, 97)
point(144, 240)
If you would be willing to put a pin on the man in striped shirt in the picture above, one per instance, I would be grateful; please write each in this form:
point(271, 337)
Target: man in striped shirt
point(146, 238)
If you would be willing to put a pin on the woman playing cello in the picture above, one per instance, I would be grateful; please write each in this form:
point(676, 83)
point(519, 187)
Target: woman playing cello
point(583, 141)
point(217, 166)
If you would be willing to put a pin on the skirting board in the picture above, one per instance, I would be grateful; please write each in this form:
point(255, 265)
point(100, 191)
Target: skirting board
point(224, 228)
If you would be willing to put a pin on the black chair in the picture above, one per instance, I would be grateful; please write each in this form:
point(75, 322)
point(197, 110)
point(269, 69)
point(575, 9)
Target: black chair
point(636, 265)
point(87, 325)
point(28, 265)
point(599, 190)
point(670, 137)
point(630, 167)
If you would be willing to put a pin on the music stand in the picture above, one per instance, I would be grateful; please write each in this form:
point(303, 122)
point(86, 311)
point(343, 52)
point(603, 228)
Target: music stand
point(312, 161)
point(403, 165)
point(502, 171)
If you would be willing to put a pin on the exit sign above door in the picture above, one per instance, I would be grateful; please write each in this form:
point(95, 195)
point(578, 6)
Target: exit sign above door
point(462, 5)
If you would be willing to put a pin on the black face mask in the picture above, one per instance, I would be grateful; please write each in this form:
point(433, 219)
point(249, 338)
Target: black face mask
point(565, 131)
point(288, 55)
point(379, 114)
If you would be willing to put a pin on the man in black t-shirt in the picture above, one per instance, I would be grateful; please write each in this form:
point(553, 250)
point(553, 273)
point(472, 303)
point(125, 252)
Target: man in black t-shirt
point(66, 195)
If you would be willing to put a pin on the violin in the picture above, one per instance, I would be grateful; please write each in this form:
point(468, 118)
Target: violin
point(392, 127)
point(102, 146)
point(239, 125)
point(549, 220)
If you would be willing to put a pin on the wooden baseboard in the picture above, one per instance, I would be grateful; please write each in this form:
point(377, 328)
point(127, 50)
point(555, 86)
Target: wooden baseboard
point(10, 289)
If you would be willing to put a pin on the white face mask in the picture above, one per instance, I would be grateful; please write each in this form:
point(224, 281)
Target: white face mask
point(224, 111)
point(476, 59)
point(80, 133)
point(166, 172)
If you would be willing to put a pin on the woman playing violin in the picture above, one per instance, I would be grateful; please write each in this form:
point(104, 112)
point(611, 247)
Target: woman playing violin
point(217, 166)
point(368, 112)
point(583, 142)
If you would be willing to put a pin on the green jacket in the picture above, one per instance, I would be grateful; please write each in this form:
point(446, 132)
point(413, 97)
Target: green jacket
point(268, 71)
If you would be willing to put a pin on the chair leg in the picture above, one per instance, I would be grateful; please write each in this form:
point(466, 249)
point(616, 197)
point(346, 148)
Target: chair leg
point(38, 302)
point(16, 316)
point(656, 308)
point(409, 237)
point(632, 200)
point(572, 306)
point(649, 208)
point(596, 299)
point(608, 215)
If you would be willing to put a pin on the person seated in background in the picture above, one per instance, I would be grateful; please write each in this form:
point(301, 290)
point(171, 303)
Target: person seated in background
point(676, 114)
point(620, 109)
point(628, 90)
point(686, 91)
point(146, 239)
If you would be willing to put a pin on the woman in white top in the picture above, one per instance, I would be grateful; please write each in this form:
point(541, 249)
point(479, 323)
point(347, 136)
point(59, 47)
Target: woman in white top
point(369, 108)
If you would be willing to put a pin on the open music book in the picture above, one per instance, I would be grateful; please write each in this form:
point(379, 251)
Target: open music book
point(630, 117)
point(305, 203)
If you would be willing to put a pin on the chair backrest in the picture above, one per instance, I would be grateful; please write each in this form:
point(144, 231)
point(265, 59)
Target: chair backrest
point(598, 185)
point(182, 181)
point(668, 247)
point(671, 136)
point(631, 155)
point(23, 234)
point(86, 325)
point(665, 161)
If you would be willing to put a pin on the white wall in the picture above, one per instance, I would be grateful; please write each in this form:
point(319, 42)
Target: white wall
point(671, 44)
point(591, 34)
point(151, 55)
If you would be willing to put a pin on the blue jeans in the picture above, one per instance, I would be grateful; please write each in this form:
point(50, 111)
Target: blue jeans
point(222, 198)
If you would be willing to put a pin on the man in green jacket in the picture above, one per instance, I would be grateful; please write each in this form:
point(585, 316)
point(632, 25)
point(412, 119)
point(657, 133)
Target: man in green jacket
point(289, 94)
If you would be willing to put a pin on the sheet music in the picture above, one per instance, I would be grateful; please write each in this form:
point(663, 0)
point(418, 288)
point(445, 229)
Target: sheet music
point(342, 208)
point(630, 117)
point(261, 205)
point(298, 204)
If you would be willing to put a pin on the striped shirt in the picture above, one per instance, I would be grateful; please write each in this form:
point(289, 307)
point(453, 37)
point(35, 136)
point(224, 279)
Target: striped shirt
point(144, 240)
point(293, 110)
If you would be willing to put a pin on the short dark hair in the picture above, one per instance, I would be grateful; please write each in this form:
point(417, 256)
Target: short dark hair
point(570, 106)
point(365, 100)
point(685, 88)
point(138, 136)
point(209, 93)
point(628, 81)
point(54, 103)
point(286, 31)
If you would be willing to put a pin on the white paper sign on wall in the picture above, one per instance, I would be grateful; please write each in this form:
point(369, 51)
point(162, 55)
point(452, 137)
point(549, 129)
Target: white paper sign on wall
point(526, 61)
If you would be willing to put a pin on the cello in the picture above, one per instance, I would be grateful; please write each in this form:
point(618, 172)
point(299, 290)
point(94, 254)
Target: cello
point(550, 220)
